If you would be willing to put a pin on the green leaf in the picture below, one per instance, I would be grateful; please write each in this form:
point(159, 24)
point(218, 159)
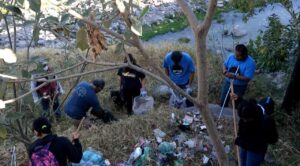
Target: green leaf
point(107, 24)
point(36, 33)
point(3, 132)
point(128, 34)
point(14, 115)
point(13, 9)
point(35, 5)
point(50, 19)
point(21, 2)
point(25, 73)
point(64, 18)
point(69, 2)
point(81, 39)
point(119, 48)
point(144, 11)
point(136, 28)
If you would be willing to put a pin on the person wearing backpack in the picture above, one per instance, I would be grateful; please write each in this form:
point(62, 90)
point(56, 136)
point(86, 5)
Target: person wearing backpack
point(256, 131)
point(50, 149)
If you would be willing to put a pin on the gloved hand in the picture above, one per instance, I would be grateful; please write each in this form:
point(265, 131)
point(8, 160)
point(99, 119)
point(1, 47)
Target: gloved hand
point(36, 101)
point(143, 92)
point(108, 117)
point(188, 89)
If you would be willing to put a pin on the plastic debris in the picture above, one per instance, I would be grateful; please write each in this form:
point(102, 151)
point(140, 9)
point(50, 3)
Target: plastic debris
point(91, 157)
point(107, 162)
point(205, 159)
point(142, 104)
point(159, 133)
point(190, 143)
point(227, 149)
point(203, 127)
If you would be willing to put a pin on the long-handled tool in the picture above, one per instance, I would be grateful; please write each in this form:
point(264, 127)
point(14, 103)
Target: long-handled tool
point(235, 122)
point(13, 161)
point(227, 94)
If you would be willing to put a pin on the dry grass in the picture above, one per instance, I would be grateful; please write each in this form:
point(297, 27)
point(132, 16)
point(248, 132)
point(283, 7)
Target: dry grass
point(116, 140)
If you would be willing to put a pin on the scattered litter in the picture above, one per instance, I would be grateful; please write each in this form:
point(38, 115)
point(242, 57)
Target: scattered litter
point(142, 104)
point(205, 159)
point(107, 162)
point(183, 145)
point(220, 127)
point(92, 157)
point(190, 143)
point(159, 133)
point(203, 127)
point(227, 149)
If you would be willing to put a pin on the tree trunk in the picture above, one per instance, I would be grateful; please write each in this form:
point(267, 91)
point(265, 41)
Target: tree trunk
point(292, 95)
point(200, 45)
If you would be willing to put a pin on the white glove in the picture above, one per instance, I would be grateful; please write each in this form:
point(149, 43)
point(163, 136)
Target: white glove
point(36, 101)
point(188, 89)
point(143, 92)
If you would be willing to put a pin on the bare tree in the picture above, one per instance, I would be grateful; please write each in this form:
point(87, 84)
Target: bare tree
point(200, 31)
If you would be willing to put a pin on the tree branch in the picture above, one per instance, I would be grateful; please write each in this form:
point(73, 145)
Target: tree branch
point(188, 12)
point(63, 78)
point(205, 25)
point(100, 63)
point(61, 71)
point(114, 34)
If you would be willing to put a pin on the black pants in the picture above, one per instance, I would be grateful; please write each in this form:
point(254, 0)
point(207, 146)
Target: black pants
point(128, 96)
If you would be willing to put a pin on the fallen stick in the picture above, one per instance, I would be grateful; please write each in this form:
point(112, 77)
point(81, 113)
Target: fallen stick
point(80, 125)
point(234, 122)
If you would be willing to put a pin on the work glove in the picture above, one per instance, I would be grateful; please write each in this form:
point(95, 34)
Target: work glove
point(143, 92)
point(108, 117)
point(188, 89)
point(36, 101)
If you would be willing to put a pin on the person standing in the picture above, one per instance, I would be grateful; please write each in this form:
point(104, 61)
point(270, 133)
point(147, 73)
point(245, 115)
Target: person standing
point(256, 131)
point(84, 97)
point(48, 95)
point(131, 83)
point(239, 67)
point(180, 68)
point(50, 149)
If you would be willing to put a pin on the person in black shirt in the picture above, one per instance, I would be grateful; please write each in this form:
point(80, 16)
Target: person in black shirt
point(63, 150)
point(256, 131)
point(131, 83)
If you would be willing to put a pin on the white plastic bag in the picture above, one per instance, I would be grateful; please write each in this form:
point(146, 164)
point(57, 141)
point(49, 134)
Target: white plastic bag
point(142, 104)
point(177, 101)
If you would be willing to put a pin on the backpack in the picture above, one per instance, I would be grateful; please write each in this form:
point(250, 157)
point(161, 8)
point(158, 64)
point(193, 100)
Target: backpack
point(43, 157)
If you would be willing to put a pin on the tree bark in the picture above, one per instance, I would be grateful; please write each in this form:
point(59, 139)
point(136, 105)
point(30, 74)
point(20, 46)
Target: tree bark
point(200, 33)
point(292, 95)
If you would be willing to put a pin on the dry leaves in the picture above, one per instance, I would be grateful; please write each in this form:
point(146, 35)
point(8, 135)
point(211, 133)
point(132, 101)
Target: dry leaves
point(97, 40)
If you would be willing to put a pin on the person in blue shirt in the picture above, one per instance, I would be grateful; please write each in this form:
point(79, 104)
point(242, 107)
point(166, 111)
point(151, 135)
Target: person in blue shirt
point(239, 67)
point(180, 68)
point(84, 97)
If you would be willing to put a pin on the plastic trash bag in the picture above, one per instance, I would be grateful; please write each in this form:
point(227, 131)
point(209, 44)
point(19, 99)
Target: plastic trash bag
point(142, 104)
point(177, 101)
point(91, 157)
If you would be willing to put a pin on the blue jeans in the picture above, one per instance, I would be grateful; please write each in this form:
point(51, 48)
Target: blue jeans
point(249, 158)
point(46, 104)
point(238, 89)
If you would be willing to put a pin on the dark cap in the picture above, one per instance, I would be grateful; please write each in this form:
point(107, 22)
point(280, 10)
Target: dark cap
point(99, 83)
point(42, 125)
